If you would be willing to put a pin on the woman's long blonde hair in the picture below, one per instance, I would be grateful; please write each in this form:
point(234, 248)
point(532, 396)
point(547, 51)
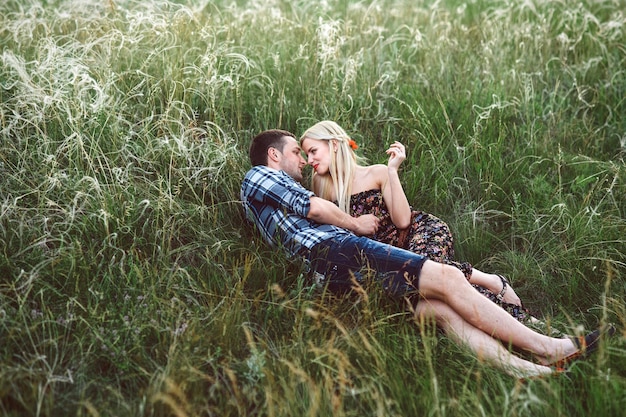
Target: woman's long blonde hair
point(343, 163)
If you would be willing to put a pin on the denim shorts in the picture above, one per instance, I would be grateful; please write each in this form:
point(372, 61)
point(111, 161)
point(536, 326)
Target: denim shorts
point(338, 262)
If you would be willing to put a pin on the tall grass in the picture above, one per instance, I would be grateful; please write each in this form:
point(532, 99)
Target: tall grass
point(131, 284)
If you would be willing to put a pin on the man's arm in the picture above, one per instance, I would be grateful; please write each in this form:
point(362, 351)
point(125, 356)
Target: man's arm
point(323, 211)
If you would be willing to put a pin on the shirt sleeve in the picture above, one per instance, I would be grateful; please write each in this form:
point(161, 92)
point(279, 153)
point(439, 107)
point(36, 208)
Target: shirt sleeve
point(276, 188)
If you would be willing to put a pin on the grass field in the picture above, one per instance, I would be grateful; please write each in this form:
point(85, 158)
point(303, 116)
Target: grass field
point(130, 284)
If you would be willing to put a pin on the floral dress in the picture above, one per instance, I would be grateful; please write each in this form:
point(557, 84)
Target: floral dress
point(427, 235)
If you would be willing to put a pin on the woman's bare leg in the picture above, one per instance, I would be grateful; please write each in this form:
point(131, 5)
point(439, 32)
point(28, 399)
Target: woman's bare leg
point(483, 345)
point(447, 284)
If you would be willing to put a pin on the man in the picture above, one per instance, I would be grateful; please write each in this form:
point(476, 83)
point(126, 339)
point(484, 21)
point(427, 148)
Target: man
point(291, 217)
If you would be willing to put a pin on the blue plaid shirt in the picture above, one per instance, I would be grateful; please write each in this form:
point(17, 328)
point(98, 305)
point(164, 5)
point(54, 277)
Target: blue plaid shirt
point(278, 205)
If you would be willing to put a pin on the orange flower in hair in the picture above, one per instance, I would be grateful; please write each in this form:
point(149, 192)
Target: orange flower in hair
point(353, 145)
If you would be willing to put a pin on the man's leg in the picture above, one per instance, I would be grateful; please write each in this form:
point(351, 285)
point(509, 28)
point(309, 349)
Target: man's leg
point(402, 272)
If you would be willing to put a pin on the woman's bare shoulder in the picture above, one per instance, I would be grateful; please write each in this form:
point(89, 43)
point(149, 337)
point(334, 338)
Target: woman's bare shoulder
point(370, 177)
point(378, 171)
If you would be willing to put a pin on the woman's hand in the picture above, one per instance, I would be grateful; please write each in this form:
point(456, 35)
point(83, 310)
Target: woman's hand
point(397, 154)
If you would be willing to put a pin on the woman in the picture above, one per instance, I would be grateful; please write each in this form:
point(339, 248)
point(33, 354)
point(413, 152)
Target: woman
point(341, 176)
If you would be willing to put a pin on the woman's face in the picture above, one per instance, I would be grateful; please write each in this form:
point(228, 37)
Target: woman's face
point(318, 154)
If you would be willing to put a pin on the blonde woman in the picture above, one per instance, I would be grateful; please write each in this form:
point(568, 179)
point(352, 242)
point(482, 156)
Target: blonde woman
point(341, 176)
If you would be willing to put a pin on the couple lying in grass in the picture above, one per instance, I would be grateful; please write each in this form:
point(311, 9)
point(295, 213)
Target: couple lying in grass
point(356, 228)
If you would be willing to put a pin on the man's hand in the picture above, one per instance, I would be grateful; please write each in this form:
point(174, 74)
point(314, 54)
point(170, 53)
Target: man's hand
point(323, 211)
point(366, 225)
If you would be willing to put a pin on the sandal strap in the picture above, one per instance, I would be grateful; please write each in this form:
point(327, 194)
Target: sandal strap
point(505, 283)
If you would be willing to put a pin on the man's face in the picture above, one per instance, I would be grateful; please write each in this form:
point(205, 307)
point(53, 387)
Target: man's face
point(291, 160)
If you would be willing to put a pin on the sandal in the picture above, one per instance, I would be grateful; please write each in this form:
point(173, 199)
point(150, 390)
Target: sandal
point(586, 346)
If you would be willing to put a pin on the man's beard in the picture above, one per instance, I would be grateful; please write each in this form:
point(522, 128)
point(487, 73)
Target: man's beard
point(296, 175)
